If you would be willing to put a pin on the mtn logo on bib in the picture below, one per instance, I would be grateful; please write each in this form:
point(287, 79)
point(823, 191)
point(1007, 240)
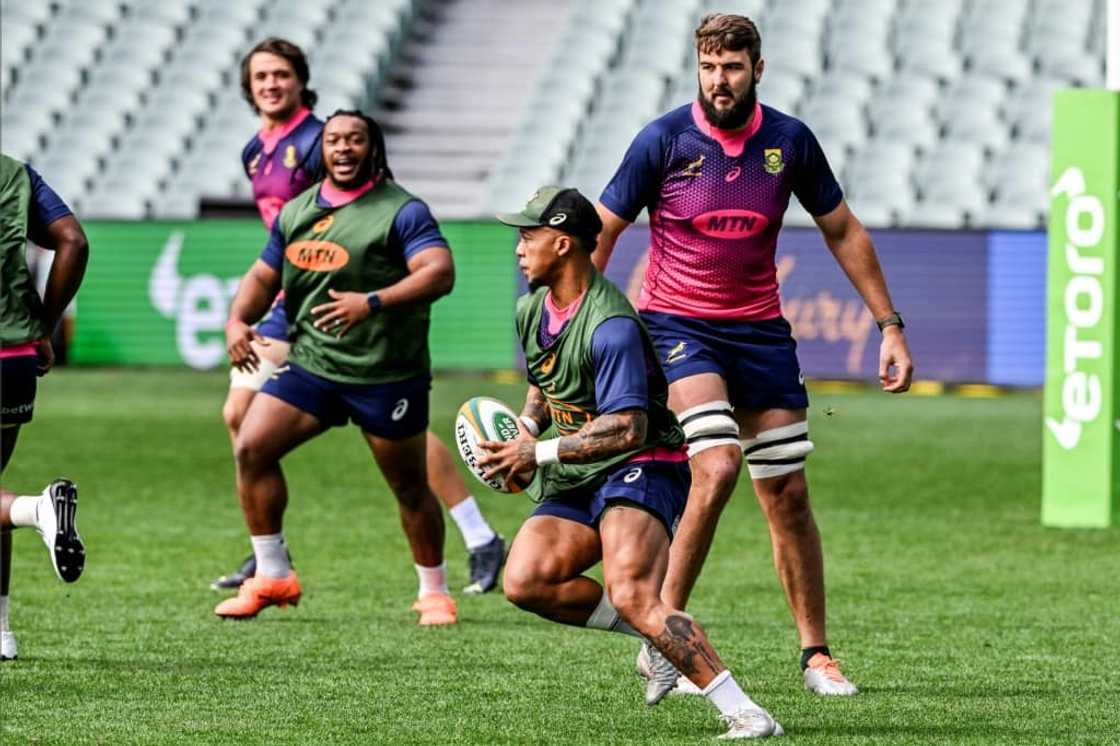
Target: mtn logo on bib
point(730, 224)
point(317, 256)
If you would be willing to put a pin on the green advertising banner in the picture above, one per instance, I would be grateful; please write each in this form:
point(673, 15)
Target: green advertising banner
point(158, 294)
point(1081, 429)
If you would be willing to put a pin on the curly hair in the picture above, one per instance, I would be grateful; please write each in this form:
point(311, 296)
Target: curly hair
point(722, 31)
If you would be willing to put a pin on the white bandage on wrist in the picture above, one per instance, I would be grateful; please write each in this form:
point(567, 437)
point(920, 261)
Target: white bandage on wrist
point(530, 424)
point(548, 452)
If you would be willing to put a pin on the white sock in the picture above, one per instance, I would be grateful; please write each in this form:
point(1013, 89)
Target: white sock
point(25, 512)
point(606, 617)
point(432, 579)
point(272, 557)
point(725, 694)
point(4, 614)
point(474, 528)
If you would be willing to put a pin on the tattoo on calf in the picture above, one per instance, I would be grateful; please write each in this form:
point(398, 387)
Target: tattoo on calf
point(685, 646)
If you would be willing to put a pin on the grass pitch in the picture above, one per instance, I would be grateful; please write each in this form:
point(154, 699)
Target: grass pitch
point(961, 618)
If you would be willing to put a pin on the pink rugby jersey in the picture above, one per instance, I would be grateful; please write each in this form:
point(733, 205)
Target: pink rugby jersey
point(716, 200)
point(283, 161)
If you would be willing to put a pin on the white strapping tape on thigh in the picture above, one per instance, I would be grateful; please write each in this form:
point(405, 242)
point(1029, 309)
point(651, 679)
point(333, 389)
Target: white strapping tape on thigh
point(778, 451)
point(241, 380)
point(709, 425)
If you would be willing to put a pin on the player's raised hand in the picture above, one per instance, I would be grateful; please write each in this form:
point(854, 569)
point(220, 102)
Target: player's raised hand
point(239, 344)
point(895, 366)
point(342, 313)
point(509, 457)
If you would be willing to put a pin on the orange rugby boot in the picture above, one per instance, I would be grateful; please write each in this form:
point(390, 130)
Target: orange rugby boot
point(258, 593)
point(435, 609)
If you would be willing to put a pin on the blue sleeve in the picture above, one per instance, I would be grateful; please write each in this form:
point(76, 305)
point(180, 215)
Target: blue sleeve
point(45, 208)
point(620, 366)
point(251, 149)
point(313, 154)
point(414, 229)
point(273, 254)
point(814, 184)
point(637, 182)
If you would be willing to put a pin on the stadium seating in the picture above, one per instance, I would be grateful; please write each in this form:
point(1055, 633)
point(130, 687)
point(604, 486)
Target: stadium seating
point(133, 109)
point(887, 86)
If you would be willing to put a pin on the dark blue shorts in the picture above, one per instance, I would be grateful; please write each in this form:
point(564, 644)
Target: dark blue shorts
point(275, 324)
point(757, 359)
point(18, 382)
point(394, 411)
point(658, 487)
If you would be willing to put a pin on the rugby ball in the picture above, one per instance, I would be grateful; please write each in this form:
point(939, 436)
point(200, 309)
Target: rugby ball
point(483, 418)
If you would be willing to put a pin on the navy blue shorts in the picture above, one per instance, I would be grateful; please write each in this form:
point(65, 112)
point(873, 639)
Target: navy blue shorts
point(394, 411)
point(658, 487)
point(18, 382)
point(275, 324)
point(757, 359)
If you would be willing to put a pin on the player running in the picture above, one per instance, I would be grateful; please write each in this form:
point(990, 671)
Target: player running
point(360, 260)
point(283, 159)
point(716, 177)
point(614, 482)
point(29, 209)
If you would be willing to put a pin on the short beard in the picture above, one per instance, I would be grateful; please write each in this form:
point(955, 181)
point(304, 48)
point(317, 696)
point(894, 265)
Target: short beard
point(733, 118)
point(361, 176)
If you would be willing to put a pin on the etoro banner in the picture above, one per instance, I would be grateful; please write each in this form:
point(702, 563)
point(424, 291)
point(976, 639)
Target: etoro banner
point(1081, 431)
point(159, 294)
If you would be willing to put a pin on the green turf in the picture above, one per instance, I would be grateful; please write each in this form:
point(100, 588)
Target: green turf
point(960, 617)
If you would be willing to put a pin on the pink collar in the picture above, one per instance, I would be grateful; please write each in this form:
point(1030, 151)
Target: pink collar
point(272, 135)
point(339, 197)
point(557, 317)
point(732, 141)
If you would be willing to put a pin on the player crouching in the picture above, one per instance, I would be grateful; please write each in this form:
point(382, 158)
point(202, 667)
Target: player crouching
point(613, 485)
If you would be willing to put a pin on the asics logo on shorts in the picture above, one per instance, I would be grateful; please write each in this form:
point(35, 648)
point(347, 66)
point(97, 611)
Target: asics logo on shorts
point(282, 369)
point(633, 475)
point(399, 410)
point(675, 354)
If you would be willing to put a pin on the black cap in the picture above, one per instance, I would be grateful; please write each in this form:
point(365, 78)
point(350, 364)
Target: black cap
point(560, 208)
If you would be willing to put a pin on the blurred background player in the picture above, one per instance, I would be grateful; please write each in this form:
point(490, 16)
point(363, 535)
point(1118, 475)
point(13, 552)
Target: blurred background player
point(613, 484)
point(283, 159)
point(716, 177)
point(360, 261)
point(29, 209)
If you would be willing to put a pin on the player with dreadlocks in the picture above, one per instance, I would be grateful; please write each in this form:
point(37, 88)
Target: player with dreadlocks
point(282, 160)
point(359, 260)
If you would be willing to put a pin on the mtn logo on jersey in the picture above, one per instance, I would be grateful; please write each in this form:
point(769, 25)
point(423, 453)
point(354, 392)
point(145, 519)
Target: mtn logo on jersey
point(693, 169)
point(730, 224)
point(317, 256)
point(772, 160)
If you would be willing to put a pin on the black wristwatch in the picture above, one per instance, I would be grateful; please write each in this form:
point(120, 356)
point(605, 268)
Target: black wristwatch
point(374, 302)
point(891, 319)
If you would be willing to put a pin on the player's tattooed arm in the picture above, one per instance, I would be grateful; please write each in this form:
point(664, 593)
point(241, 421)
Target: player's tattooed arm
point(605, 436)
point(687, 647)
point(536, 409)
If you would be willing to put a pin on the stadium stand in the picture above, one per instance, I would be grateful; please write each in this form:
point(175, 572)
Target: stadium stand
point(932, 114)
point(134, 109)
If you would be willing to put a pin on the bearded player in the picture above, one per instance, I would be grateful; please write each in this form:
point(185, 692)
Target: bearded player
point(716, 177)
point(283, 159)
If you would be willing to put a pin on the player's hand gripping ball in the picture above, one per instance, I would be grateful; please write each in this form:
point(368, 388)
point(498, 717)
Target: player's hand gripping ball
point(483, 418)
